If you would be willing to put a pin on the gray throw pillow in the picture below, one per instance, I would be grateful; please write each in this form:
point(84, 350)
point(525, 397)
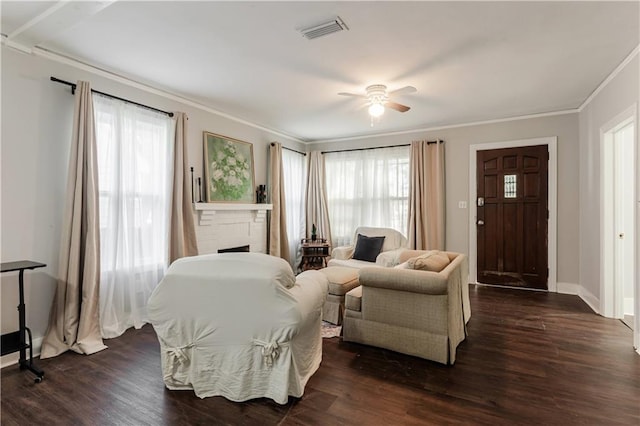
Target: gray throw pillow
point(368, 248)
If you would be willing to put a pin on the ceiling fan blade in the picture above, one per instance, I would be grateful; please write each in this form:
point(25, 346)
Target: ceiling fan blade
point(351, 94)
point(403, 90)
point(397, 107)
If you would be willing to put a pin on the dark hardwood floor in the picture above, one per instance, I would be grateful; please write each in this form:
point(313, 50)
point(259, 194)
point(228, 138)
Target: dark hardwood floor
point(530, 358)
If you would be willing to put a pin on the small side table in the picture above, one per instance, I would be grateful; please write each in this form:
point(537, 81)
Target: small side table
point(17, 341)
point(314, 254)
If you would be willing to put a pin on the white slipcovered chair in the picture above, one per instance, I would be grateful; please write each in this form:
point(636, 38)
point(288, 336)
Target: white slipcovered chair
point(394, 244)
point(238, 325)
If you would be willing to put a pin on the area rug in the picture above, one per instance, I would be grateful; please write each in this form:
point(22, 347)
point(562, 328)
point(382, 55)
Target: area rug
point(329, 330)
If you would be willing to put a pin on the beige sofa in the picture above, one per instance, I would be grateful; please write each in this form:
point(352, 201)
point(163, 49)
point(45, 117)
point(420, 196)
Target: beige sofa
point(415, 312)
point(394, 244)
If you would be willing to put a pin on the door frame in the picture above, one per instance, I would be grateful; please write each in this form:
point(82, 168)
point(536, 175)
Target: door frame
point(551, 142)
point(607, 299)
point(611, 305)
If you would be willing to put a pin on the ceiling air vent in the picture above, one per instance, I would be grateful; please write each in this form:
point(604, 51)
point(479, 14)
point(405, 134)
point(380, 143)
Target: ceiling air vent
point(324, 29)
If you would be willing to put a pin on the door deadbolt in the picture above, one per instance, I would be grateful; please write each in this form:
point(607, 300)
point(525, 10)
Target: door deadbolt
point(480, 201)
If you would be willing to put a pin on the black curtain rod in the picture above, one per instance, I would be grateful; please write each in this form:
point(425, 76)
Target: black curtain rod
point(73, 91)
point(379, 147)
point(290, 149)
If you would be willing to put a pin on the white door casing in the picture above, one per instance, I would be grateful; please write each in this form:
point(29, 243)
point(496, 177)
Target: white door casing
point(612, 289)
point(611, 297)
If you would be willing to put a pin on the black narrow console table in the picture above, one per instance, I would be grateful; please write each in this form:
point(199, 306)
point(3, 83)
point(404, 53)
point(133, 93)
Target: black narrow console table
point(17, 341)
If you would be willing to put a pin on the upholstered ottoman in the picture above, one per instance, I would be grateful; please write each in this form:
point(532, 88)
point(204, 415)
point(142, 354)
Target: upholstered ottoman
point(341, 281)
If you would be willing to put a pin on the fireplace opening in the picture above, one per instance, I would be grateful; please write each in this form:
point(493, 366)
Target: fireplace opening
point(239, 249)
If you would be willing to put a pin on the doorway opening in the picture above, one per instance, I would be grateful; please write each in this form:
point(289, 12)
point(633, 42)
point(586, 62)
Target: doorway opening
point(618, 220)
point(512, 215)
point(551, 254)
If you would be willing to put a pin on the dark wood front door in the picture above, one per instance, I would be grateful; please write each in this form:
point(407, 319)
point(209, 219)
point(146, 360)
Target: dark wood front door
point(513, 216)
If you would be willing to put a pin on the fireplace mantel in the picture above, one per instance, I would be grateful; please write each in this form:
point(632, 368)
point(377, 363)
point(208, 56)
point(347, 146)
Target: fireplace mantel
point(206, 211)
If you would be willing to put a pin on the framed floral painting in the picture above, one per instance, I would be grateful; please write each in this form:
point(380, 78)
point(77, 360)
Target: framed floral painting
point(228, 170)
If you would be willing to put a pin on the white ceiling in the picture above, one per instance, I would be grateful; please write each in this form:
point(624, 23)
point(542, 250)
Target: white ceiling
point(470, 61)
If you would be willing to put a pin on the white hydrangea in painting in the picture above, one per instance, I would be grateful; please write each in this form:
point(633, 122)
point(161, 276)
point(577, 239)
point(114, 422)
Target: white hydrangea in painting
point(230, 169)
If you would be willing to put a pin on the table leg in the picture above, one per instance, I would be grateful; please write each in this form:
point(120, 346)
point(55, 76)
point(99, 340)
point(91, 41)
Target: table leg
point(22, 323)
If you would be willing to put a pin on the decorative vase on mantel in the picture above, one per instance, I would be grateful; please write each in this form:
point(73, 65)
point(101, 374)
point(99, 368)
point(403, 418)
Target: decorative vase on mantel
point(261, 194)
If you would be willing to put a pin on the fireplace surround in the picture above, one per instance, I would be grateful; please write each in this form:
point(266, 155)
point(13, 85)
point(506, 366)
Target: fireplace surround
point(221, 226)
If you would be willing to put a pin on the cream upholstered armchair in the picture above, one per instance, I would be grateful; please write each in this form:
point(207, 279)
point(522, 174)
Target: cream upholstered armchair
point(416, 312)
point(393, 245)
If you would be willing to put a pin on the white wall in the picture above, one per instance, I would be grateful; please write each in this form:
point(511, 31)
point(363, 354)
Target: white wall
point(36, 122)
point(36, 132)
point(618, 95)
point(457, 142)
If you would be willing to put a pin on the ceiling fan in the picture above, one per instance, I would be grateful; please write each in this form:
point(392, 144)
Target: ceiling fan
point(378, 98)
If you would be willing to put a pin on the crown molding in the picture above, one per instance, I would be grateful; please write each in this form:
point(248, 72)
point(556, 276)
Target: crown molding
point(16, 46)
point(593, 94)
point(449, 126)
point(73, 62)
point(610, 77)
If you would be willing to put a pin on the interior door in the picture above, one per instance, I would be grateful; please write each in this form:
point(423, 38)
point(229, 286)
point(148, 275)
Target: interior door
point(512, 223)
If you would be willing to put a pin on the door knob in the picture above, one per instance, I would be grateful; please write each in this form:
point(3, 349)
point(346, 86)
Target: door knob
point(481, 222)
point(621, 235)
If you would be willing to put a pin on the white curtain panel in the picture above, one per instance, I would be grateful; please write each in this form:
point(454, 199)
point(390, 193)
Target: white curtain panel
point(294, 167)
point(135, 168)
point(367, 188)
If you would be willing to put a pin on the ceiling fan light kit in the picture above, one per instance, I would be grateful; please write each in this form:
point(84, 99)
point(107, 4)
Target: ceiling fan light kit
point(376, 109)
point(378, 99)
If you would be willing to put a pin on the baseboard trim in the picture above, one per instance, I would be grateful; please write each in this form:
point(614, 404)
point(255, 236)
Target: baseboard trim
point(12, 359)
point(568, 288)
point(628, 305)
point(576, 289)
point(590, 299)
point(507, 286)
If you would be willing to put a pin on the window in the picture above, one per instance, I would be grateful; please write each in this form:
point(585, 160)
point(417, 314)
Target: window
point(134, 171)
point(510, 186)
point(294, 167)
point(367, 188)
